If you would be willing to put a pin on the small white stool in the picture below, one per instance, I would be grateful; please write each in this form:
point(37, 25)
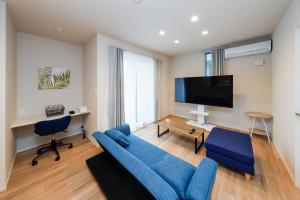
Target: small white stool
point(263, 117)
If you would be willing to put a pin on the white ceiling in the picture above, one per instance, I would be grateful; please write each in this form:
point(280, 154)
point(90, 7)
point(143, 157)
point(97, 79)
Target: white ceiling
point(226, 20)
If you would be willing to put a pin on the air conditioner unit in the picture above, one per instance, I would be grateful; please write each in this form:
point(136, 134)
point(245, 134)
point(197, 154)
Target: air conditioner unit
point(249, 49)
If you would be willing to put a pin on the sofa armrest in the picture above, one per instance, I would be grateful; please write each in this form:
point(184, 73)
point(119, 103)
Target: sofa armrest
point(160, 189)
point(202, 181)
point(125, 128)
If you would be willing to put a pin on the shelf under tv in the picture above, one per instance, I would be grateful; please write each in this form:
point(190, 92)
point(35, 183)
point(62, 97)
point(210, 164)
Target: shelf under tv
point(201, 122)
point(207, 127)
point(199, 113)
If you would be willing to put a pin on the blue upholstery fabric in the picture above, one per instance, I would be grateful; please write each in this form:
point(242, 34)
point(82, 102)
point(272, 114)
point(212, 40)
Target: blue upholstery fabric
point(118, 137)
point(164, 175)
point(233, 164)
point(123, 141)
point(49, 127)
point(114, 134)
point(176, 172)
point(231, 144)
point(202, 182)
point(144, 151)
point(159, 188)
point(124, 129)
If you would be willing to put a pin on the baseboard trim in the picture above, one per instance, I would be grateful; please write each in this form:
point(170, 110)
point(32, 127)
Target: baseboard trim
point(3, 188)
point(36, 146)
point(10, 171)
point(284, 163)
point(93, 141)
point(217, 125)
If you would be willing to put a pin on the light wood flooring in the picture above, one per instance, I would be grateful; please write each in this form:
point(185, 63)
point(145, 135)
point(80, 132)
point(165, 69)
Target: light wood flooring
point(70, 178)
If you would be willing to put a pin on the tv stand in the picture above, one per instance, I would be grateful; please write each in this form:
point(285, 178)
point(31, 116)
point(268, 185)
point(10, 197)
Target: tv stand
point(201, 122)
point(207, 127)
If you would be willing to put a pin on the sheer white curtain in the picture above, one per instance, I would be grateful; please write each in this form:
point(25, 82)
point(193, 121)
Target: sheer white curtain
point(139, 89)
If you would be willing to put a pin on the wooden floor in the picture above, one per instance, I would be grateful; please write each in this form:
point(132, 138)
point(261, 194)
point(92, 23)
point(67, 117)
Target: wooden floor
point(70, 178)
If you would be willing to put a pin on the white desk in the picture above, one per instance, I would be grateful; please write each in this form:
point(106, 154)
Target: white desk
point(31, 120)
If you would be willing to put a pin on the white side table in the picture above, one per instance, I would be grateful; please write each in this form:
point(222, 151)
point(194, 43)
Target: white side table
point(263, 117)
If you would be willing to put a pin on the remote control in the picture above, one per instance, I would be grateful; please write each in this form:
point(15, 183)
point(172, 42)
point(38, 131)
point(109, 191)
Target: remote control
point(192, 131)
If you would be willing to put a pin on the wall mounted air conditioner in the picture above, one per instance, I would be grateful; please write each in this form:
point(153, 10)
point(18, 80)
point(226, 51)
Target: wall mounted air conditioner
point(249, 49)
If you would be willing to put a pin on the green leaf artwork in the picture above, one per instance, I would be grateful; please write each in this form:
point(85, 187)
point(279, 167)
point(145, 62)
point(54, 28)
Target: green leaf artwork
point(53, 78)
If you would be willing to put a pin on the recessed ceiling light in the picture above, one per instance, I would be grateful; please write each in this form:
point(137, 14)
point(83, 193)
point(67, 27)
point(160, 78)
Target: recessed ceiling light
point(176, 41)
point(205, 32)
point(59, 29)
point(161, 32)
point(194, 18)
point(138, 1)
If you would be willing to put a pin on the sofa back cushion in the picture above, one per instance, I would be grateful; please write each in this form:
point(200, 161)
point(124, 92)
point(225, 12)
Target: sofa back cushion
point(145, 151)
point(176, 172)
point(125, 129)
point(118, 137)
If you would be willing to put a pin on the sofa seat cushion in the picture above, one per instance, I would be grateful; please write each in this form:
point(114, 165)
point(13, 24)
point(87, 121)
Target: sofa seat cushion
point(118, 137)
point(176, 172)
point(144, 151)
point(230, 144)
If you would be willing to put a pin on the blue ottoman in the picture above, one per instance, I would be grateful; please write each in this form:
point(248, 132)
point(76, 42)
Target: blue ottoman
point(232, 149)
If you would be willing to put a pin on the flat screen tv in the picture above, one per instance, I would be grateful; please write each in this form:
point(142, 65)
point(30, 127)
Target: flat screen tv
point(209, 90)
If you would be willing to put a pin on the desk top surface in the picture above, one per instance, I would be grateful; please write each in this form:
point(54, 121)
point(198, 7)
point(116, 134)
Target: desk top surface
point(30, 120)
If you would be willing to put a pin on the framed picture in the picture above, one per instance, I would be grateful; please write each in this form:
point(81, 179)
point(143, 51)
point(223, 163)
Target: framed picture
point(53, 78)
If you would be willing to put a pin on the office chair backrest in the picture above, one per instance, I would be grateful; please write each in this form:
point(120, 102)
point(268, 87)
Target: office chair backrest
point(49, 127)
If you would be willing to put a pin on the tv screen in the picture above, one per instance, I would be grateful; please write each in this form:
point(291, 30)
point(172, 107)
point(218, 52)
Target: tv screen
point(209, 90)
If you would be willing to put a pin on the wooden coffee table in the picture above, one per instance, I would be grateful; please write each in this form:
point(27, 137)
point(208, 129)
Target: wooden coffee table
point(178, 125)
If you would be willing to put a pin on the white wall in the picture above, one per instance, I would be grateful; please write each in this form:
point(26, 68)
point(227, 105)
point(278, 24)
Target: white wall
point(297, 108)
point(32, 52)
point(2, 95)
point(11, 74)
point(283, 85)
point(7, 93)
point(90, 84)
point(252, 89)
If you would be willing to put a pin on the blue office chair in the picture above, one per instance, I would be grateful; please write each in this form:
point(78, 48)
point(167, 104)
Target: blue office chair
point(50, 127)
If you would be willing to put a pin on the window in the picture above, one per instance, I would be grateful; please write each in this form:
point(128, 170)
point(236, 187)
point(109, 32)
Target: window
point(208, 64)
point(139, 90)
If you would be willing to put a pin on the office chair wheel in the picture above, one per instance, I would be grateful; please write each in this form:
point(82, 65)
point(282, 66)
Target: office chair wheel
point(57, 158)
point(70, 146)
point(34, 162)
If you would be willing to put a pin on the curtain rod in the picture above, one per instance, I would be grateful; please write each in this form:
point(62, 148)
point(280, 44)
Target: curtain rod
point(136, 52)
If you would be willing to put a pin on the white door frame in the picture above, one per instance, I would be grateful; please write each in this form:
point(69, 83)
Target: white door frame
point(297, 106)
point(2, 94)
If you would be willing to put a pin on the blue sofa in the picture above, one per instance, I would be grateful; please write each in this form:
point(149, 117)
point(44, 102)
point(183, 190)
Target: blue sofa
point(165, 176)
point(232, 149)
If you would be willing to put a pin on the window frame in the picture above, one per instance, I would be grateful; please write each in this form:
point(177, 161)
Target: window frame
point(205, 62)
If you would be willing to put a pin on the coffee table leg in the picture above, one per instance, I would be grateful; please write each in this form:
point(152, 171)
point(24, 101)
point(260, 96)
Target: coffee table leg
point(200, 145)
point(158, 131)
